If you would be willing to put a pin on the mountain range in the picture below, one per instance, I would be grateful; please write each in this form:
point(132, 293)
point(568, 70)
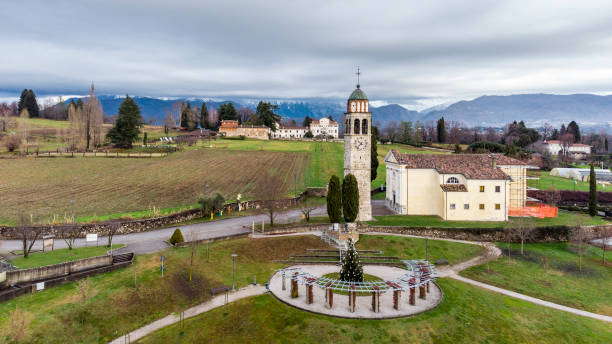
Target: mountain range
point(486, 111)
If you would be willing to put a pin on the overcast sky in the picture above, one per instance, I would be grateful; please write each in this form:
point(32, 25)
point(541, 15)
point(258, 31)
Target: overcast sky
point(412, 52)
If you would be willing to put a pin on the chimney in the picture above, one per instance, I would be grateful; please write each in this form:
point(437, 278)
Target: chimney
point(493, 161)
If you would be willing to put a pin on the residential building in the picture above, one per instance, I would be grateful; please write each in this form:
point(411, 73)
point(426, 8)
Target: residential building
point(324, 127)
point(289, 132)
point(232, 129)
point(465, 187)
point(577, 150)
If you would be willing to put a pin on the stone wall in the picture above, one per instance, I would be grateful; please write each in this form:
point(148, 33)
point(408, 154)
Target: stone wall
point(57, 270)
point(140, 225)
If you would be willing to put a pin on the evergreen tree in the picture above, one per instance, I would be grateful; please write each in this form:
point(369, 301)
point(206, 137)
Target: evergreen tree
point(27, 100)
point(334, 200)
point(127, 126)
point(204, 117)
point(350, 198)
point(79, 103)
point(592, 192)
point(574, 129)
point(144, 139)
point(374, 155)
point(563, 130)
point(307, 121)
point(22, 100)
point(441, 130)
point(188, 119)
point(227, 111)
point(351, 270)
point(606, 144)
point(266, 115)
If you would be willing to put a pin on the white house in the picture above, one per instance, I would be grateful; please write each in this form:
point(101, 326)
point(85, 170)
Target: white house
point(324, 127)
point(464, 187)
point(289, 132)
point(575, 149)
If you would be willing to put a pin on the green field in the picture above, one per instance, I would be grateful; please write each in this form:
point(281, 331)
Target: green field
point(563, 218)
point(550, 272)
point(60, 256)
point(466, 315)
point(115, 307)
point(547, 182)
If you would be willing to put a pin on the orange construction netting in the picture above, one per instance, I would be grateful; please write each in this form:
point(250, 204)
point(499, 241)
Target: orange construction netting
point(540, 211)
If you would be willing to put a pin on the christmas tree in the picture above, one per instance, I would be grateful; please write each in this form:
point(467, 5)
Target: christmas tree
point(351, 271)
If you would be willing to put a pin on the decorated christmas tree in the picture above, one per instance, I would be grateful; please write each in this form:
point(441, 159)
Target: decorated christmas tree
point(351, 271)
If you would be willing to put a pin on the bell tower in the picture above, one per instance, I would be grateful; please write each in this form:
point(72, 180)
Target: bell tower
point(357, 147)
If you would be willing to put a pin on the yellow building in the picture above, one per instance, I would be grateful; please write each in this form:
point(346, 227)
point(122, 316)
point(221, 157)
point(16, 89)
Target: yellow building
point(464, 187)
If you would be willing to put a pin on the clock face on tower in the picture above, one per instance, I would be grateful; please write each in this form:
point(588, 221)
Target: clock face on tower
point(360, 143)
point(353, 107)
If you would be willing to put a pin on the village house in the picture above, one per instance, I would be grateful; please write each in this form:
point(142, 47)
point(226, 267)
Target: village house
point(230, 128)
point(323, 127)
point(577, 150)
point(289, 132)
point(466, 187)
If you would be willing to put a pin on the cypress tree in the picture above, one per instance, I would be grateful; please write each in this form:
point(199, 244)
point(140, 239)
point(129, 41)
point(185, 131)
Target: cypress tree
point(350, 198)
point(351, 270)
point(204, 116)
point(606, 144)
point(144, 139)
point(127, 126)
point(441, 129)
point(79, 103)
point(187, 118)
point(592, 192)
point(334, 200)
point(374, 155)
point(22, 101)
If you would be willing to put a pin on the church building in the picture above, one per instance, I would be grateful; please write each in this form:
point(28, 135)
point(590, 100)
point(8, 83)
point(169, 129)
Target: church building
point(463, 187)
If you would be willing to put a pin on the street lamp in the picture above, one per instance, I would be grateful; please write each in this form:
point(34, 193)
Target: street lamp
point(234, 270)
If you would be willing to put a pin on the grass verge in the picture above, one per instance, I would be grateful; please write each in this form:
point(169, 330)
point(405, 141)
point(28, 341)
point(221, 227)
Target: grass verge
point(37, 259)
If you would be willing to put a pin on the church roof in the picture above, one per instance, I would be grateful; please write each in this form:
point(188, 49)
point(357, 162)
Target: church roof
point(358, 94)
point(472, 166)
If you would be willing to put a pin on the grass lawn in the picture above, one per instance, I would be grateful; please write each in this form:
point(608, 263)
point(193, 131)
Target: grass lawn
point(466, 315)
point(550, 272)
point(59, 256)
point(414, 248)
point(563, 218)
point(116, 307)
point(547, 182)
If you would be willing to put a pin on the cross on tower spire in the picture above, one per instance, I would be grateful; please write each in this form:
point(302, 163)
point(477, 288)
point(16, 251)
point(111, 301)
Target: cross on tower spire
point(358, 74)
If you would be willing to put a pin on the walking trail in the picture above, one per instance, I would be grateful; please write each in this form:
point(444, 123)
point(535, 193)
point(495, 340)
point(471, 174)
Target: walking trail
point(451, 271)
point(213, 303)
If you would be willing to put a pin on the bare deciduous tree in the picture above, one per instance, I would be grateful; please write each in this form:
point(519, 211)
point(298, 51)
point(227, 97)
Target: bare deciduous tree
point(307, 207)
point(85, 293)
point(19, 322)
point(522, 230)
point(580, 237)
point(86, 123)
point(69, 234)
point(28, 235)
point(24, 129)
point(110, 232)
point(605, 235)
point(271, 192)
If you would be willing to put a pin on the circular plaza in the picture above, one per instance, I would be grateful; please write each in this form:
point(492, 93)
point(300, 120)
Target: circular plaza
point(398, 293)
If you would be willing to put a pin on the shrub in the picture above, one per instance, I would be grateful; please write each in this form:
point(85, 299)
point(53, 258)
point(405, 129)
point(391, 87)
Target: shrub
point(177, 237)
point(11, 142)
point(334, 200)
point(211, 204)
point(308, 134)
point(350, 198)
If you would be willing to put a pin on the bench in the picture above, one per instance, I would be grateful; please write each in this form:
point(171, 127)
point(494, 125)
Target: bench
point(219, 290)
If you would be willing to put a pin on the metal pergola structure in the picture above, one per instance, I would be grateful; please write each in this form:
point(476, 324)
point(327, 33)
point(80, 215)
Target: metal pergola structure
point(420, 272)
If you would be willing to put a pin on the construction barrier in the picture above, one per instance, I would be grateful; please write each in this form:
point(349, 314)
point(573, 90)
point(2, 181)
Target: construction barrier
point(540, 211)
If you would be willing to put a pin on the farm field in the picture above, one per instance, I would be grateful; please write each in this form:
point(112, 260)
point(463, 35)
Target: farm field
point(550, 272)
point(546, 182)
point(44, 187)
point(116, 307)
point(467, 314)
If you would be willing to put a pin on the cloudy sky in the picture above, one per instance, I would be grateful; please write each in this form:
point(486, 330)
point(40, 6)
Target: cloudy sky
point(413, 52)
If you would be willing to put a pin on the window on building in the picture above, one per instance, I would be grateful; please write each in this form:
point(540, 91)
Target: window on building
point(452, 206)
point(497, 188)
point(452, 180)
point(466, 206)
point(481, 206)
point(497, 206)
point(482, 188)
point(356, 126)
point(364, 126)
point(347, 127)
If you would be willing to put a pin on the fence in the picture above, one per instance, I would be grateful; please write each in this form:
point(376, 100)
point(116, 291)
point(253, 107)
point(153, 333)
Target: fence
point(540, 211)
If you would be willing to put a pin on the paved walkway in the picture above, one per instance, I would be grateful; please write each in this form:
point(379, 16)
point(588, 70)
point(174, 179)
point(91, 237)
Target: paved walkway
point(215, 302)
point(493, 252)
point(154, 240)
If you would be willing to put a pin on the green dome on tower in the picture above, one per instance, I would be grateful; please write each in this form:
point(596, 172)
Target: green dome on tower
point(358, 94)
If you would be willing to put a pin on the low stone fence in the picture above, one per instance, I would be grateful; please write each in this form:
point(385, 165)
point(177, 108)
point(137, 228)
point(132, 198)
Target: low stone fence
point(541, 234)
point(296, 228)
point(139, 225)
point(54, 271)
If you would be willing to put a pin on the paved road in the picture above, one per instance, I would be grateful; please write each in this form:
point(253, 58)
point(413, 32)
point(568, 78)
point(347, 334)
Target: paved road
point(153, 241)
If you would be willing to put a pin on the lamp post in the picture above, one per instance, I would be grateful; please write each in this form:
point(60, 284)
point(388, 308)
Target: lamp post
point(234, 270)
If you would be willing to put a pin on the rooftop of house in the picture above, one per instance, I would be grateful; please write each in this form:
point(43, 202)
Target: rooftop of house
point(472, 166)
point(331, 121)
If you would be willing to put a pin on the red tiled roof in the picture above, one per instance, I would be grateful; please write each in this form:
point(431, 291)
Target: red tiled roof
point(453, 187)
point(472, 166)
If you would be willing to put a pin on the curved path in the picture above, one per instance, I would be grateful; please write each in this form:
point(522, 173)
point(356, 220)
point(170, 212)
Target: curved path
point(154, 240)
